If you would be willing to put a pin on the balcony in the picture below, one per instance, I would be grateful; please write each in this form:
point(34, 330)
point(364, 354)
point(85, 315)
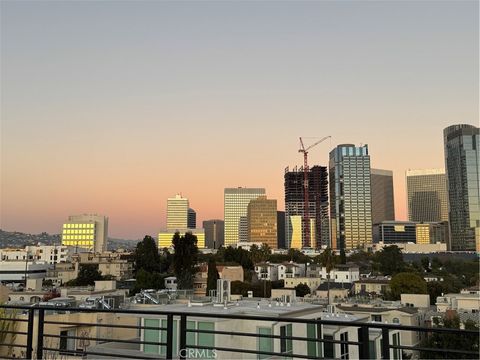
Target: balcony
point(42, 333)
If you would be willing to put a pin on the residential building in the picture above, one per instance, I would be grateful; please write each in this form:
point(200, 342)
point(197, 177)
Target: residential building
point(383, 205)
point(350, 197)
point(291, 270)
point(372, 286)
point(312, 283)
point(214, 233)
point(267, 271)
point(281, 230)
point(338, 291)
point(115, 264)
point(459, 302)
point(177, 213)
point(236, 201)
point(295, 226)
point(87, 232)
point(191, 219)
point(22, 270)
point(51, 254)
point(341, 273)
point(262, 221)
point(230, 273)
point(165, 238)
point(462, 163)
point(427, 195)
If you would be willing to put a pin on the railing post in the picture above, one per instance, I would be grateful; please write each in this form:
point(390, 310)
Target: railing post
point(40, 328)
point(31, 315)
point(170, 336)
point(385, 344)
point(183, 336)
point(363, 339)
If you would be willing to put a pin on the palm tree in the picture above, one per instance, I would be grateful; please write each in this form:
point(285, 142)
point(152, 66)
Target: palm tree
point(328, 259)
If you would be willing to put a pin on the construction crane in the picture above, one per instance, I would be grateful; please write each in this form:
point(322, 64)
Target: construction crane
point(306, 211)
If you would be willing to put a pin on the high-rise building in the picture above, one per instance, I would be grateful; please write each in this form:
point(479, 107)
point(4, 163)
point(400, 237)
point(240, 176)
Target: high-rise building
point(87, 232)
point(395, 232)
point(350, 197)
point(262, 221)
point(427, 195)
point(295, 207)
point(383, 206)
point(165, 237)
point(281, 229)
point(214, 233)
point(235, 207)
point(177, 213)
point(462, 152)
point(191, 219)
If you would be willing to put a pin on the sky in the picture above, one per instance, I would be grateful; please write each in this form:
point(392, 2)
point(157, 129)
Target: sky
point(111, 107)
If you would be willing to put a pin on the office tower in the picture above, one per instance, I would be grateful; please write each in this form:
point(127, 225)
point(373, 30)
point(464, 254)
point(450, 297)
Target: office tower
point(350, 197)
point(383, 206)
point(214, 233)
point(88, 232)
point(462, 148)
point(177, 213)
point(165, 237)
point(295, 205)
point(427, 195)
point(392, 232)
point(235, 207)
point(191, 219)
point(281, 229)
point(262, 221)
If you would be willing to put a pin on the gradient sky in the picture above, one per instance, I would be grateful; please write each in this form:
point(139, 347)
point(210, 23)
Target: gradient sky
point(111, 107)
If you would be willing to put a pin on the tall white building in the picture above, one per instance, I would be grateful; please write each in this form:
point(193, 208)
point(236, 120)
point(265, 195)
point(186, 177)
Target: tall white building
point(236, 202)
point(87, 232)
point(177, 213)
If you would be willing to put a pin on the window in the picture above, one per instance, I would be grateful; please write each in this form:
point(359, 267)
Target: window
point(264, 343)
point(312, 345)
point(377, 318)
point(373, 349)
point(328, 347)
point(344, 347)
point(66, 342)
point(206, 339)
point(151, 335)
point(396, 321)
point(286, 344)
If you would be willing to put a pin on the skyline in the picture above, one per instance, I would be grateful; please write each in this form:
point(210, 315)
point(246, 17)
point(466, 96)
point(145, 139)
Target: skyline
point(99, 96)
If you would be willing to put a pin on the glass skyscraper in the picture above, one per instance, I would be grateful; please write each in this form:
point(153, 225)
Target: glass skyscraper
point(236, 201)
point(462, 146)
point(383, 205)
point(350, 197)
point(177, 213)
point(427, 195)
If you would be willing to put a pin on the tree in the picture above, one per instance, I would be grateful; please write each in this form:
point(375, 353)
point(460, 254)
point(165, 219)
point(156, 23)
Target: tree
point(87, 275)
point(147, 280)
point(146, 256)
point(425, 261)
point(407, 283)
point(467, 342)
point(389, 260)
point(213, 276)
point(302, 289)
point(185, 259)
point(343, 257)
point(328, 259)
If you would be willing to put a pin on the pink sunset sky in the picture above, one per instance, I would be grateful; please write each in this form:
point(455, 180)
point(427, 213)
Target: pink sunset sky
point(112, 107)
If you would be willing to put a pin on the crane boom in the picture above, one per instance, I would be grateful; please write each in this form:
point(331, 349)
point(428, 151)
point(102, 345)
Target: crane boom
point(306, 211)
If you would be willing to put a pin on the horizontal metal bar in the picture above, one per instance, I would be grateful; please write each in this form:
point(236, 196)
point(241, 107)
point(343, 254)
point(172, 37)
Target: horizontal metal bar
point(419, 348)
point(13, 319)
point(245, 351)
point(234, 333)
point(97, 353)
point(105, 340)
point(16, 345)
point(13, 332)
point(106, 325)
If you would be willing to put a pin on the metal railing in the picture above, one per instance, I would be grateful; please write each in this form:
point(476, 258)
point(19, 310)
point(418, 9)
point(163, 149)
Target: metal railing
point(35, 320)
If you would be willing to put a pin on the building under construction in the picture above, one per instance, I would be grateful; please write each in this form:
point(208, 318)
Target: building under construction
point(295, 220)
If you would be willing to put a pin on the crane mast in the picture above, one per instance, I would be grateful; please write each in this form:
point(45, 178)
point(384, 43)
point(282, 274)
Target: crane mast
point(306, 190)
